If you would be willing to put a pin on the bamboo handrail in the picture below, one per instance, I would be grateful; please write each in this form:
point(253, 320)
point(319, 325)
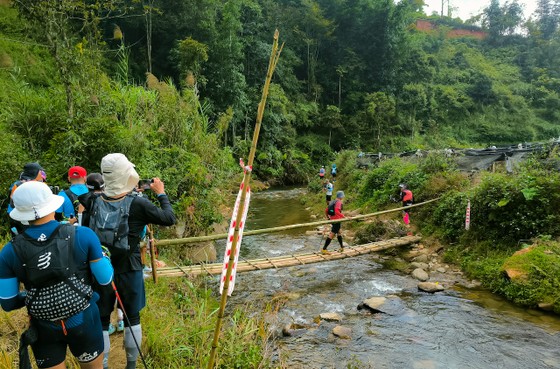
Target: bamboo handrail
point(182, 241)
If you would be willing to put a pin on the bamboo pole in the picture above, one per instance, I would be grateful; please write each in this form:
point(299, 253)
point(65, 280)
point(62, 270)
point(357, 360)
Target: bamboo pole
point(182, 241)
point(152, 245)
point(274, 56)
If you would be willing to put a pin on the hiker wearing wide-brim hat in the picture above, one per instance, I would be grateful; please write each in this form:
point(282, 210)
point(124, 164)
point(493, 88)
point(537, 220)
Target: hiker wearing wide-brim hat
point(120, 178)
point(333, 212)
point(54, 262)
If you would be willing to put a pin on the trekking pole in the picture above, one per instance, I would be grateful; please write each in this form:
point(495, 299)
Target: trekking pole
point(274, 56)
point(128, 322)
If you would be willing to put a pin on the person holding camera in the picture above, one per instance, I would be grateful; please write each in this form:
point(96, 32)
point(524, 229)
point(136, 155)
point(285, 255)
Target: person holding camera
point(118, 218)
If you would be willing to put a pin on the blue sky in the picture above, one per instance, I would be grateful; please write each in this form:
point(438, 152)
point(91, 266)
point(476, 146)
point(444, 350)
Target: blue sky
point(467, 8)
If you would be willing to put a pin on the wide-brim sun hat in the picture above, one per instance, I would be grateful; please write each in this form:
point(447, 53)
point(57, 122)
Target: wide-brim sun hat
point(34, 200)
point(340, 194)
point(119, 174)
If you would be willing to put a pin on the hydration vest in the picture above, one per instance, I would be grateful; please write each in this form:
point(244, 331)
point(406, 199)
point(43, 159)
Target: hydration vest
point(109, 220)
point(56, 287)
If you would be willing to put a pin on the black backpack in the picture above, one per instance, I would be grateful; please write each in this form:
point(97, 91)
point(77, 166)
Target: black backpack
point(56, 288)
point(109, 220)
point(330, 208)
point(74, 200)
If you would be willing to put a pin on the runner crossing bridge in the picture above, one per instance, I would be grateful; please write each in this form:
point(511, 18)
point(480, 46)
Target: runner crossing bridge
point(281, 261)
point(287, 260)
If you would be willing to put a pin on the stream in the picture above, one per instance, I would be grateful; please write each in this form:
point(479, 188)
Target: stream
point(454, 329)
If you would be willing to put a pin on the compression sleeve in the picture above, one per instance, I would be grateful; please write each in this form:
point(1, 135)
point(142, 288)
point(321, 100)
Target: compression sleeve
point(102, 270)
point(9, 288)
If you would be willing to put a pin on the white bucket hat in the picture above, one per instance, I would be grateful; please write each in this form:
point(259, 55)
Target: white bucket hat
point(119, 174)
point(34, 200)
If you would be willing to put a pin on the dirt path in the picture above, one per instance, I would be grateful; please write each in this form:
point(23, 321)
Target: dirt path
point(117, 356)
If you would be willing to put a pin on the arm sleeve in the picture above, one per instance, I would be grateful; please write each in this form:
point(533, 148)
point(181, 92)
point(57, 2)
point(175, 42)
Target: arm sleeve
point(102, 270)
point(10, 297)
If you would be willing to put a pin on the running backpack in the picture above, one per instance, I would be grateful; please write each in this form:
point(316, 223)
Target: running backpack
point(109, 220)
point(330, 208)
point(56, 290)
point(74, 200)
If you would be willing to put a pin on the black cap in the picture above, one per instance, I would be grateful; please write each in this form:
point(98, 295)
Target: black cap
point(30, 171)
point(95, 182)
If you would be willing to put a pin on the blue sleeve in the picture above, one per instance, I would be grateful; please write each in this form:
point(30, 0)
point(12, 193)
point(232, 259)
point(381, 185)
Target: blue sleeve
point(66, 208)
point(10, 297)
point(89, 243)
point(102, 270)
point(100, 266)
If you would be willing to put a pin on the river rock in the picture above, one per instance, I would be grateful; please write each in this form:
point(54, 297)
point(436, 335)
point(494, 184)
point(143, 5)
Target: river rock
point(330, 317)
point(391, 305)
point(416, 264)
point(342, 332)
point(420, 274)
point(441, 270)
point(423, 258)
point(546, 306)
point(430, 287)
point(373, 303)
point(293, 330)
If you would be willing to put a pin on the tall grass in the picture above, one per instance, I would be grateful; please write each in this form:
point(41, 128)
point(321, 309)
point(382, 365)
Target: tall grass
point(179, 322)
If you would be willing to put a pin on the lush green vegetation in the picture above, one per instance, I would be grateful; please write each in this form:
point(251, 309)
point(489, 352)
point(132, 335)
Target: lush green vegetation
point(508, 213)
point(174, 85)
point(353, 74)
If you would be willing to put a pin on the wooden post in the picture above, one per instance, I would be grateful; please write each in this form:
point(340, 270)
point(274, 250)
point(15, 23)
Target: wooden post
point(274, 55)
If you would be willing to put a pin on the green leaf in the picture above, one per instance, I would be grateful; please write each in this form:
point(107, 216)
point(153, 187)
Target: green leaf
point(529, 193)
point(503, 202)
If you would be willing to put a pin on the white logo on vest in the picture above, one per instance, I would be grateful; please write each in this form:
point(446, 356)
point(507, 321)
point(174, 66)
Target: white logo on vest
point(42, 237)
point(44, 261)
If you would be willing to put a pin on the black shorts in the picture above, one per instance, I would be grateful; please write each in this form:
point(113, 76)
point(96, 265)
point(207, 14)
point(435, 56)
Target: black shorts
point(85, 341)
point(329, 198)
point(130, 286)
point(333, 175)
point(335, 228)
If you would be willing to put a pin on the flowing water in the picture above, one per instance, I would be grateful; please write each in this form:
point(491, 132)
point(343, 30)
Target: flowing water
point(455, 329)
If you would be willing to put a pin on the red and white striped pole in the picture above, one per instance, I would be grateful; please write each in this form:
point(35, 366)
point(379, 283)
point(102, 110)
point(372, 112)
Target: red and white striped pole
point(231, 235)
point(468, 216)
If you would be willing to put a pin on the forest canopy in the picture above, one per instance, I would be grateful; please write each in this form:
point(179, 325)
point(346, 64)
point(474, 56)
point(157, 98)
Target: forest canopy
point(80, 78)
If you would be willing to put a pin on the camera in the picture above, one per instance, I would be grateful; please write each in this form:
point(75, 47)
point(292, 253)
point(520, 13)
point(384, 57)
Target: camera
point(145, 183)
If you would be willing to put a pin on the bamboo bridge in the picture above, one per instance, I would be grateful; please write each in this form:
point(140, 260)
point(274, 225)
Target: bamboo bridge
point(280, 261)
point(287, 260)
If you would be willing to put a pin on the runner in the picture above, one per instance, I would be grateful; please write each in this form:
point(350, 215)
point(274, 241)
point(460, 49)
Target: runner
point(334, 211)
point(54, 262)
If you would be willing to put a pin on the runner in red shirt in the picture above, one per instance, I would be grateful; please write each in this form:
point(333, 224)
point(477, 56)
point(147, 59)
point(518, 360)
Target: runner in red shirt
point(334, 211)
